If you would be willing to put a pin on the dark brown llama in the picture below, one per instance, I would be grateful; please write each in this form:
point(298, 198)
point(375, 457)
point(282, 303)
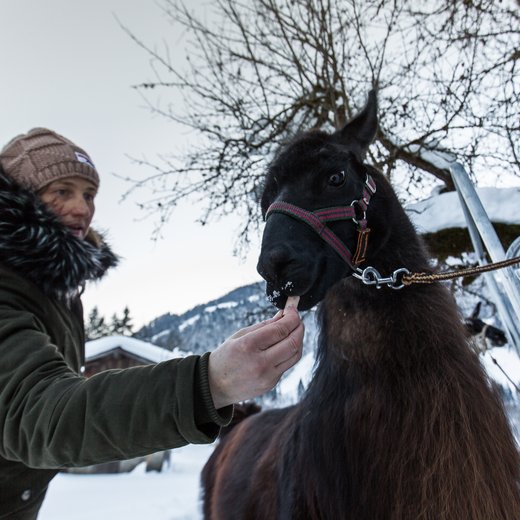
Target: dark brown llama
point(399, 421)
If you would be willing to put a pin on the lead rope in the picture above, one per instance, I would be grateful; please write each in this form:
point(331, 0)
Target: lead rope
point(402, 277)
point(411, 278)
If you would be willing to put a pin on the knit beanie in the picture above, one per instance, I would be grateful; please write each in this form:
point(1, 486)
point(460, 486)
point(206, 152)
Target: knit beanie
point(42, 156)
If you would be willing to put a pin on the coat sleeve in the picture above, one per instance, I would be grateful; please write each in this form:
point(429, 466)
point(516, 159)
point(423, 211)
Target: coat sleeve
point(51, 417)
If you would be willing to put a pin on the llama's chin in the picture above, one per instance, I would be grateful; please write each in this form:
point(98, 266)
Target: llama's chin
point(311, 290)
point(307, 300)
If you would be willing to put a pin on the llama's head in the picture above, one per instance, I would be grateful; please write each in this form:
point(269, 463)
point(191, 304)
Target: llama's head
point(314, 171)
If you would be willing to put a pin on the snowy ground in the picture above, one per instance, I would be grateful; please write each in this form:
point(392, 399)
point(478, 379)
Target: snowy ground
point(170, 495)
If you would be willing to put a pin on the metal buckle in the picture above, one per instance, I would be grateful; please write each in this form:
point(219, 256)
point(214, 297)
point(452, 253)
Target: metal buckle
point(371, 189)
point(356, 219)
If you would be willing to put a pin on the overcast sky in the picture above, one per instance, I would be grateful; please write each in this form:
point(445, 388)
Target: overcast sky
point(67, 65)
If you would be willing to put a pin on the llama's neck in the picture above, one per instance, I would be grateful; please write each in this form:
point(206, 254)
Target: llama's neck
point(399, 417)
point(413, 413)
point(359, 322)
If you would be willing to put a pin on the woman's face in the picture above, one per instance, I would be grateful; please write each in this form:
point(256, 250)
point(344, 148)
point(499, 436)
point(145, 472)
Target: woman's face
point(72, 200)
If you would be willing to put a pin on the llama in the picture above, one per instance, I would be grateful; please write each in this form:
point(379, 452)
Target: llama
point(399, 421)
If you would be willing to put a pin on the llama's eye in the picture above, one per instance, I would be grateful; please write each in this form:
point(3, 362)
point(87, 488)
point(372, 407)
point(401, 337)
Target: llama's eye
point(337, 179)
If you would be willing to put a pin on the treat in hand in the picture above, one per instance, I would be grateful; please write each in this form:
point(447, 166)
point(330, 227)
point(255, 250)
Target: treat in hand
point(291, 300)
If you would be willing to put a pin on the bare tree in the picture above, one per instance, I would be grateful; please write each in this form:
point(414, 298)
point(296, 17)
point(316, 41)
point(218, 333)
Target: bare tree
point(259, 71)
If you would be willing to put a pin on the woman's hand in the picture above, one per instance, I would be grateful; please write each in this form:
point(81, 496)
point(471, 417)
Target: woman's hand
point(252, 361)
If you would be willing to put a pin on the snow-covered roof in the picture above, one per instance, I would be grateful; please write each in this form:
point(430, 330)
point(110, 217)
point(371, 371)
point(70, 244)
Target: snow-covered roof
point(142, 349)
point(444, 211)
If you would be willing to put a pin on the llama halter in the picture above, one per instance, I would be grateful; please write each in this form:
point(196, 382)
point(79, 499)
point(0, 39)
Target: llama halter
point(401, 277)
point(318, 219)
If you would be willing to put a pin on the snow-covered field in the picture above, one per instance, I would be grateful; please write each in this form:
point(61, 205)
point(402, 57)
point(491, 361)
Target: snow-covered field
point(170, 495)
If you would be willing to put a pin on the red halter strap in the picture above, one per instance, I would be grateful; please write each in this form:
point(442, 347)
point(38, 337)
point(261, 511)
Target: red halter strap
point(318, 219)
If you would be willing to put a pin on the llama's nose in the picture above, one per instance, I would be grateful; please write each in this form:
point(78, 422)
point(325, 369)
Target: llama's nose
point(274, 263)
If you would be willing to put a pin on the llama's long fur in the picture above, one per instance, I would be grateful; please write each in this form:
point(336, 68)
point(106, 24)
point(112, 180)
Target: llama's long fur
point(399, 422)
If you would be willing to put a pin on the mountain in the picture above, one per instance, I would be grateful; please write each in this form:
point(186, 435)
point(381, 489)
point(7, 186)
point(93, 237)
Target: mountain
point(206, 326)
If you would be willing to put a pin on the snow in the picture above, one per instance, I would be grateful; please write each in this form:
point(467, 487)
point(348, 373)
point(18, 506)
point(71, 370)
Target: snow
point(509, 362)
point(223, 305)
point(439, 158)
point(444, 211)
point(161, 335)
point(134, 346)
point(173, 494)
point(188, 322)
point(288, 387)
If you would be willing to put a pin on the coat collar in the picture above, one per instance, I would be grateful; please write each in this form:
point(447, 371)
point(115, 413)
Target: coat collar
point(35, 244)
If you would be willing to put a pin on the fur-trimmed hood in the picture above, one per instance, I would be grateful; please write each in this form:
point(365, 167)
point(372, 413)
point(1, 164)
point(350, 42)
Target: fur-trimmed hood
point(35, 244)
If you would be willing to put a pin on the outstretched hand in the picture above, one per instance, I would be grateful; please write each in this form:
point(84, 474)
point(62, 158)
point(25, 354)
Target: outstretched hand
point(252, 361)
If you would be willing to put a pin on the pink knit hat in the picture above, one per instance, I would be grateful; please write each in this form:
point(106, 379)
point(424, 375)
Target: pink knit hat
point(42, 156)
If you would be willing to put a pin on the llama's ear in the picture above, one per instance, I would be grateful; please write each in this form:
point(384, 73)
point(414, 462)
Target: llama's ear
point(359, 132)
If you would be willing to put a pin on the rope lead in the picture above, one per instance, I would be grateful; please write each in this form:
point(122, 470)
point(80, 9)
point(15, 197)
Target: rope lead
point(409, 279)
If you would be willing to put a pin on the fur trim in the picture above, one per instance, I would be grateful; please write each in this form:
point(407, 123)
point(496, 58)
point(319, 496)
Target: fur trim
point(35, 244)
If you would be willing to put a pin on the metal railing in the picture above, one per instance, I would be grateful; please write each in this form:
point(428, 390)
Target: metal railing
point(503, 284)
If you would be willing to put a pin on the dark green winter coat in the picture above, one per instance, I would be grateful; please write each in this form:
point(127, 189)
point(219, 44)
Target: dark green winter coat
point(50, 416)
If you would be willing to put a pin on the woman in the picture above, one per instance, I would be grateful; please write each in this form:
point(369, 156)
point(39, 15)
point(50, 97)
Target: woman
point(52, 417)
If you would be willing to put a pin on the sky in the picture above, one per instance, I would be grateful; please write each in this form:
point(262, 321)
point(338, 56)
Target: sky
point(69, 66)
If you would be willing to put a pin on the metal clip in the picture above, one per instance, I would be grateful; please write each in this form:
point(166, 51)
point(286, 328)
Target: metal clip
point(371, 276)
point(371, 189)
point(355, 219)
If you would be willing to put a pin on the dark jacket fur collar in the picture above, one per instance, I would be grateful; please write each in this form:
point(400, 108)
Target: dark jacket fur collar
point(37, 246)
